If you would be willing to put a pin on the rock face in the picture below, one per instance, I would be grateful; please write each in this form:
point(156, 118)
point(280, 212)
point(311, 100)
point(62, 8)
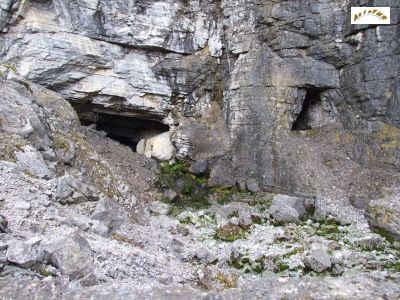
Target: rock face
point(259, 96)
point(384, 214)
point(293, 89)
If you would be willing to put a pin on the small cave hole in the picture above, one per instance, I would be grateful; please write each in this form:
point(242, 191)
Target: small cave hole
point(312, 114)
point(126, 129)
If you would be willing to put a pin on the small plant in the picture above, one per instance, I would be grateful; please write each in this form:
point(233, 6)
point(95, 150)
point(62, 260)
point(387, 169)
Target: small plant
point(192, 190)
point(230, 233)
point(394, 266)
point(228, 281)
point(384, 233)
point(223, 195)
point(243, 262)
point(234, 214)
point(329, 229)
point(7, 67)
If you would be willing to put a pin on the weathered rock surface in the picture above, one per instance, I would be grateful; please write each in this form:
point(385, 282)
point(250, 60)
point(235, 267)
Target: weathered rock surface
point(71, 255)
point(318, 260)
point(25, 253)
point(293, 89)
point(288, 209)
point(384, 214)
point(159, 147)
point(199, 167)
point(279, 96)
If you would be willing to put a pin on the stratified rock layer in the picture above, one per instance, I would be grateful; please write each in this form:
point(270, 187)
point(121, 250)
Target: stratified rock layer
point(286, 94)
point(279, 96)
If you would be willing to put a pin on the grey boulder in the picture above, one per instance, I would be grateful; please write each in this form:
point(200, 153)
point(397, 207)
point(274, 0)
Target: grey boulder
point(199, 167)
point(384, 215)
point(72, 255)
point(73, 189)
point(252, 186)
point(25, 253)
point(318, 260)
point(287, 209)
point(32, 162)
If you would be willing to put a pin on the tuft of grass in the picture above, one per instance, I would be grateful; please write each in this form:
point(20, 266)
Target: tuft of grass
point(243, 263)
point(224, 195)
point(384, 233)
point(228, 281)
point(393, 266)
point(280, 265)
point(7, 67)
point(230, 233)
point(233, 214)
point(329, 229)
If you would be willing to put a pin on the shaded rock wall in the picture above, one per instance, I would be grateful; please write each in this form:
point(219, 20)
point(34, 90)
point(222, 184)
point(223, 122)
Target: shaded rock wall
point(232, 79)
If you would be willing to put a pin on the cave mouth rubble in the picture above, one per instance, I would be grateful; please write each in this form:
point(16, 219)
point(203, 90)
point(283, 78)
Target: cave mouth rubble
point(144, 133)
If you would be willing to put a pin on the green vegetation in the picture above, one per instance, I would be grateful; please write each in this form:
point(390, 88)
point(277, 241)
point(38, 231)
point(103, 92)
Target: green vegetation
point(233, 214)
point(192, 190)
point(230, 233)
point(257, 220)
point(243, 263)
point(227, 280)
point(393, 266)
point(43, 271)
point(384, 233)
point(173, 211)
point(329, 229)
point(282, 266)
point(8, 67)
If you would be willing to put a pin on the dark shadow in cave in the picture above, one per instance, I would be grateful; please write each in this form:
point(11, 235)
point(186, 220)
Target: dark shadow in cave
point(304, 119)
point(128, 129)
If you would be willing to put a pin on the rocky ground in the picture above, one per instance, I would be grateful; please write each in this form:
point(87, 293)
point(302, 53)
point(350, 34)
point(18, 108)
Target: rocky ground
point(277, 124)
point(84, 217)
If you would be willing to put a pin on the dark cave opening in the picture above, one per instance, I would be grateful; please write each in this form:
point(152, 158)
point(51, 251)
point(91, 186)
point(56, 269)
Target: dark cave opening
point(311, 107)
point(127, 129)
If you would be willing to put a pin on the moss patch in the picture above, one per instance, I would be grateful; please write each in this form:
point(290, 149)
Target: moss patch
point(384, 233)
point(329, 229)
point(192, 190)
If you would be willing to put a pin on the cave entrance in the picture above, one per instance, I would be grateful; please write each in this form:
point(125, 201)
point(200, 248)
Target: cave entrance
point(314, 113)
point(126, 128)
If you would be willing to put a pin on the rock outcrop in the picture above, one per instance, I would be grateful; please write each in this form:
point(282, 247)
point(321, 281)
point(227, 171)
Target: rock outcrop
point(257, 97)
point(273, 91)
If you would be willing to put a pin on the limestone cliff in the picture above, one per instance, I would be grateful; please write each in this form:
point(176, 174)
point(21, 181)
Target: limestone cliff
point(272, 96)
point(286, 93)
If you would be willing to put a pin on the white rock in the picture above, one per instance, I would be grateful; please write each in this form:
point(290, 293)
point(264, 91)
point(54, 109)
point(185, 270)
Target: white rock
point(30, 160)
point(159, 147)
point(25, 253)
